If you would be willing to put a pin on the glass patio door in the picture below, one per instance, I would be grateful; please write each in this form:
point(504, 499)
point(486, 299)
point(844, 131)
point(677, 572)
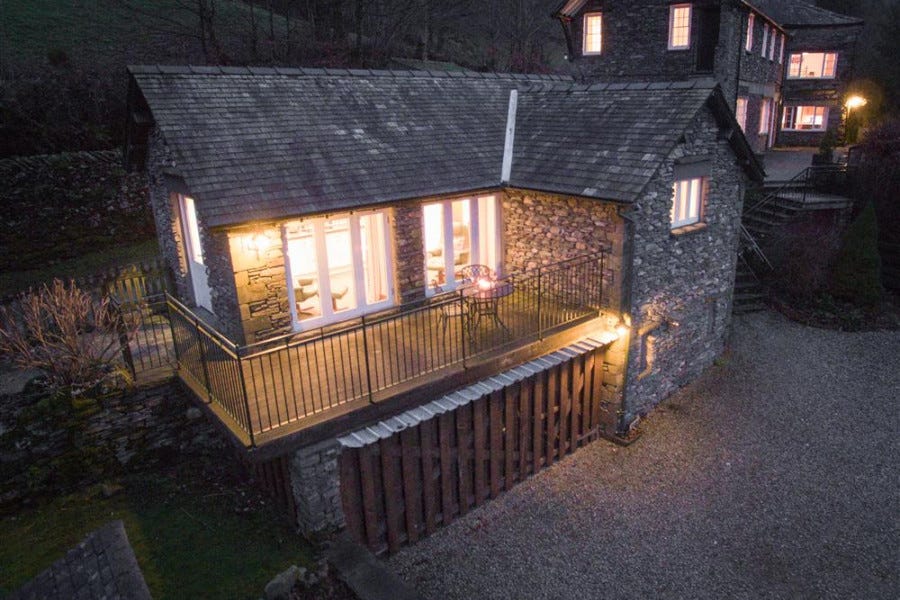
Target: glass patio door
point(338, 268)
point(458, 233)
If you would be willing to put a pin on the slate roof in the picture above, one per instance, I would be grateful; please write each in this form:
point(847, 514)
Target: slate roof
point(272, 144)
point(101, 567)
point(603, 141)
point(799, 13)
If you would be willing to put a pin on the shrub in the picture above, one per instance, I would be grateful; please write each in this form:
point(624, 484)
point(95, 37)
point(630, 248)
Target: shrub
point(803, 255)
point(856, 276)
point(63, 331)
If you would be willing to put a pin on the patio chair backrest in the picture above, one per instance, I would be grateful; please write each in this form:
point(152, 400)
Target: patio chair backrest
point(474, 272)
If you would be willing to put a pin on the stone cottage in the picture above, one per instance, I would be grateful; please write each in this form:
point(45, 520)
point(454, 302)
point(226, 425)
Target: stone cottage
point(784, 65)
point(350, 245)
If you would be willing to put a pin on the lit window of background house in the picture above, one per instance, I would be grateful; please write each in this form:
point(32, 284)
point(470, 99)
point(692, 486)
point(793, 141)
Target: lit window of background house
point(805, 118)
point(813, 65)
point(679, 27)
point(750, 22)
point(593, 34)
point(741, 112)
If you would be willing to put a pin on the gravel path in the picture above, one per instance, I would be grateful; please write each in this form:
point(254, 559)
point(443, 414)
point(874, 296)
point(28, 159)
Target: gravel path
point(773, 476)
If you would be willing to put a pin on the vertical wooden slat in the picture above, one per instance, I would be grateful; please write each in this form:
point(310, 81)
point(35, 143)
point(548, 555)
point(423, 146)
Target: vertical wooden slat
point(429, 484)
point(412, 486)
point(479, 408)
point(552, 393)
point(367, 478)
point(565, 406)
point(392, 496)
point(464, 453)
point(510, 399)
point(589, 423)
point(496, 432)
point(538, 416)
point(524, 425)
point(351, 494)
point(577, 387)
point(445, 422)
point(597, 399)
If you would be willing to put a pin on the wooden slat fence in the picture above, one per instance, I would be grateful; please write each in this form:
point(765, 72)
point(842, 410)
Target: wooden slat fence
point(405, 486)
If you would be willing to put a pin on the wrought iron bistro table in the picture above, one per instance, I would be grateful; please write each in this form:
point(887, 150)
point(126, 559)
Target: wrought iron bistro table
point(483, 300)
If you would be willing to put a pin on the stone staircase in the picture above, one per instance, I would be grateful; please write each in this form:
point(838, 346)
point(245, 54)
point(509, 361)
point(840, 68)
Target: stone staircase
point(782, 202)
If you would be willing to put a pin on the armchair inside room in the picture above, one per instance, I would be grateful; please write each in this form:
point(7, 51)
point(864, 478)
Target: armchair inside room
point(306, 297)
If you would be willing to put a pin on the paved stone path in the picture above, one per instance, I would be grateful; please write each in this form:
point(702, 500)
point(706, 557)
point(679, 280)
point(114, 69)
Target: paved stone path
point(773, 476)
point(102, 567)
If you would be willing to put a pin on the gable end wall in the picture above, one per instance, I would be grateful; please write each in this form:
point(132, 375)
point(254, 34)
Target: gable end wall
point(682, 286)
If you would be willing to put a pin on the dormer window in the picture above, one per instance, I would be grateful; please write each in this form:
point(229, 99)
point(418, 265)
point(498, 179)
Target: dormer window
point(749, 43)
point(593, 33)
point(813, 65)
point(679, 27)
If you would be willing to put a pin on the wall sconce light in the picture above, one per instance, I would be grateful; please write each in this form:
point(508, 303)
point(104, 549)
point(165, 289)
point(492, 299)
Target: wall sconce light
point(855, 102)
point(258, 243)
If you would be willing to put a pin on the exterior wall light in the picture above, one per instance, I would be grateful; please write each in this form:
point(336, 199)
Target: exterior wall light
point(855, 102)
point(257, 243)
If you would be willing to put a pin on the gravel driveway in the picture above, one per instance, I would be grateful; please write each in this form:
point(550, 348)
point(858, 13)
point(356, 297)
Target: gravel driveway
point(773, 476)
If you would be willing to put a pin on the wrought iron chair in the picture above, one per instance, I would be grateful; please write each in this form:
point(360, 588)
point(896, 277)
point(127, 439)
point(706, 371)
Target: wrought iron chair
point(472, 273)
point(449, 310)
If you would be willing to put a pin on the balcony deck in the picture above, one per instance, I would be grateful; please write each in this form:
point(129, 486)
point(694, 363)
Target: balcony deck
point(279, 386)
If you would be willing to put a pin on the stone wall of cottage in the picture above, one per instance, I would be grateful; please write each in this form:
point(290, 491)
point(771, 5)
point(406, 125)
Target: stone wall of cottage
point(541, 229)
point(166, 216)
point(409, 251)
point(682, 285)
point(315, 482)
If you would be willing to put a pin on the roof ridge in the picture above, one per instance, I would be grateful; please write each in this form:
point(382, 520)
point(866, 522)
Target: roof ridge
point(319, 72)
point(704, 83)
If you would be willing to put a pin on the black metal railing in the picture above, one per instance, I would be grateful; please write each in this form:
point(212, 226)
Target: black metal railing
point(269, 384)
point(145, 334)
point(823, 178)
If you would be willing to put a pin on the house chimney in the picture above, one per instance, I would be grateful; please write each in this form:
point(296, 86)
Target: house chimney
point(510, 136)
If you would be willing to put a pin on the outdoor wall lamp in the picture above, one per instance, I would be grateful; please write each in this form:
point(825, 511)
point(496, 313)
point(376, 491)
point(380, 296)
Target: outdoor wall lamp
point(257, 243)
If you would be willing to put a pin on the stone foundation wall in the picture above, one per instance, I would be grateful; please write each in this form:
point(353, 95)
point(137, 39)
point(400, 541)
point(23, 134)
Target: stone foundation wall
point(315, 481)
point(682, 284)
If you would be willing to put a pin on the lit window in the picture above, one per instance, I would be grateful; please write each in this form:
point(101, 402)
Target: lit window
point(765, 40)
point(687, 201)
point(804, 118)
point(781, 52)
point(457, 233)
point(593, 34)
point(772, 45)
point(749, 43)
point(679, 26)
point(740, 112)
point(813, 65)
point(338, 267)
point(765, 116)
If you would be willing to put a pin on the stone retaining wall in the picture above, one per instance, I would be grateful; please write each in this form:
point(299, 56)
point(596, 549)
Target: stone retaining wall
point(48, 447)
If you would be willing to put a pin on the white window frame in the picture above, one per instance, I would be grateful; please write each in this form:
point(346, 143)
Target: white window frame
point(329, 315)
point(800, 69)
point(584, 36)
point(765, 116)
point(476, 243)
point(772, 45)
point(765, 40)
point(673, 11)
point(689, 206)
point(781, 53)
point(740, 112)
point(748, 43)
point(792, 115)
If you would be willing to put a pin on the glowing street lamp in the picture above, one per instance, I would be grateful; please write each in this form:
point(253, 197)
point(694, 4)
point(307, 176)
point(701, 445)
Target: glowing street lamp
point(855, 102)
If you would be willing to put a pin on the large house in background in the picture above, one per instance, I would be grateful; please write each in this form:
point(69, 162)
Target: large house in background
point(784, 65)
point(522, 262)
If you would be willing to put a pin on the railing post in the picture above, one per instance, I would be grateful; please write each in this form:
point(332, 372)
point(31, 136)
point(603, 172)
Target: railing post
point(202, 351)
point(240, 366)
point(540, 294)
point(365, 334)
point(170, 311)
point(124, 342)
point(465, 327)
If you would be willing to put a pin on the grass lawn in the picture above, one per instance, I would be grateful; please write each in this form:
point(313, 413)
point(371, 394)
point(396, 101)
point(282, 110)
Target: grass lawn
point(88, 264)
point(193, 539)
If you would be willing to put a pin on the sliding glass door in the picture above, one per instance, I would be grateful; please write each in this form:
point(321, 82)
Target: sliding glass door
point(458, 233)
point(338, 267)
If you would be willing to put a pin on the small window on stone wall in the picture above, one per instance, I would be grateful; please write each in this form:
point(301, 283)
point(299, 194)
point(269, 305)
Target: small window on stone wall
point(593, 33)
